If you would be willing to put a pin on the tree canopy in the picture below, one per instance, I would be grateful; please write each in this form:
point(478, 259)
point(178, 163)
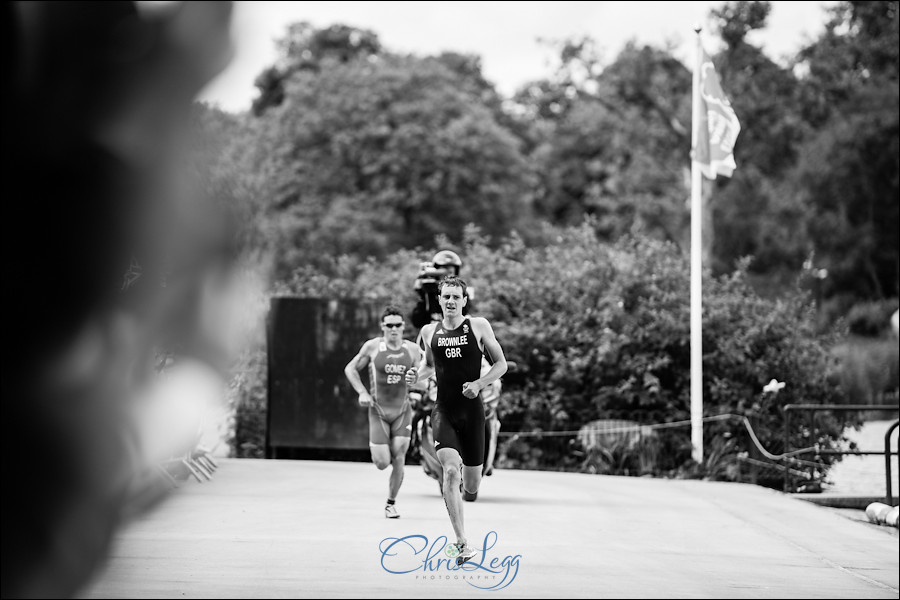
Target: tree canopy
point(351, 148)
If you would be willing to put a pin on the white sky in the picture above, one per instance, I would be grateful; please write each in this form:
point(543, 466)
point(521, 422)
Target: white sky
point(504, 34)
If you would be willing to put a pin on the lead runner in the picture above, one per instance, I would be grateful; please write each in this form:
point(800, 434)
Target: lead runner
point(453, 350)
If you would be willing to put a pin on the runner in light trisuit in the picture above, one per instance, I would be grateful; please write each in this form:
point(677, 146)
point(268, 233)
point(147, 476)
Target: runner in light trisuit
point(390, 415)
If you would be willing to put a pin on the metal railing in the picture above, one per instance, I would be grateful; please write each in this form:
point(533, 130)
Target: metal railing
point(887, 462)
point(787, 462)
point(789, 409)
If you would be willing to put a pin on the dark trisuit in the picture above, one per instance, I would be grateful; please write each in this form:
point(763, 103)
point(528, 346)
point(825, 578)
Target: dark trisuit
point(458, 421)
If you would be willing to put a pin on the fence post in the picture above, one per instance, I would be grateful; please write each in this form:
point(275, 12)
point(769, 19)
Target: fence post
point(787, 445)
point(754, 451)
point(887, 462)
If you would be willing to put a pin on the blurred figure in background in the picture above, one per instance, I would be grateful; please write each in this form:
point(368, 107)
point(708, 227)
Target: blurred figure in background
point(445, 263)
point(108, 257)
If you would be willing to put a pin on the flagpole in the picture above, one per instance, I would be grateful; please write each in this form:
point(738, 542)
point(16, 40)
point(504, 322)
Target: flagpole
point(696, 269)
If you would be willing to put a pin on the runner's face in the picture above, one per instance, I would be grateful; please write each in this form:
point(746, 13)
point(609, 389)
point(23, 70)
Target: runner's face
point(392, 326)
point(452, 300)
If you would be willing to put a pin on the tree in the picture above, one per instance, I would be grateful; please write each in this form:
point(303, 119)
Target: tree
point(305, 48)
point(613, 141)
point(752, 213)
point(847, 176)
point(369, 156)
point(222, 168)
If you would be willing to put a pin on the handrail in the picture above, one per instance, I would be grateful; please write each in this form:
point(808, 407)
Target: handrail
point(887, 462)
point(790, 408)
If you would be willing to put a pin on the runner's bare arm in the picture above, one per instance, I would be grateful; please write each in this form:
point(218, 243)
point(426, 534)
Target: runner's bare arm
point(351, 371)
point(425, 368)
point(415, 354)
point(485, 333)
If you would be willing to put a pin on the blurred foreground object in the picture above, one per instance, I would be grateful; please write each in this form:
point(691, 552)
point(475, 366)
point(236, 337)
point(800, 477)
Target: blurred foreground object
point(108, 258)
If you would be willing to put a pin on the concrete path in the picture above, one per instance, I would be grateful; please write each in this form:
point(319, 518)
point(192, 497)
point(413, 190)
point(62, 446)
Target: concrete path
point(289, 529)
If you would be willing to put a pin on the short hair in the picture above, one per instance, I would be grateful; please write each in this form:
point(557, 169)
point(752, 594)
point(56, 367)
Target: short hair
point(391, 310)
point(453, 281)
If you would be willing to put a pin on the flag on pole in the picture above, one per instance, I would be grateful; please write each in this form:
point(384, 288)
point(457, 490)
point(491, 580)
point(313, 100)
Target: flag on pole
point(718, 126)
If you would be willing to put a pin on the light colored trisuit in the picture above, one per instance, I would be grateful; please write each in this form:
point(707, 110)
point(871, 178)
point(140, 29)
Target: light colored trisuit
point(391, 416)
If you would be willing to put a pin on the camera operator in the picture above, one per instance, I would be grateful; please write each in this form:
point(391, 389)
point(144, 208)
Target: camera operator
point(445, 263)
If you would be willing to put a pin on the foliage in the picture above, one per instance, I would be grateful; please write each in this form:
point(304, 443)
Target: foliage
point(847, 176)
point(601, 330)
point(376, 152)
point(867, 370)
point(305, 48)
point(354, 149)
point(610, 141)
point(872, 319)
point(624, 458)
point(752, 214)
point(247, 395)
point(356, 158)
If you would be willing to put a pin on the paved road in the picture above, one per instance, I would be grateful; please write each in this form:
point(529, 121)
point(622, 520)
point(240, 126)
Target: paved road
point(286, 529)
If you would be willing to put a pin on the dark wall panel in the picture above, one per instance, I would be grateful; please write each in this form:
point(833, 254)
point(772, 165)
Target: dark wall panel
point(311, 405)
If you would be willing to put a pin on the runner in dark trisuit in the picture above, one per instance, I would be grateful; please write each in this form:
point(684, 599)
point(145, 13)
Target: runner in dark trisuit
point(453, 350)
point(390, 415)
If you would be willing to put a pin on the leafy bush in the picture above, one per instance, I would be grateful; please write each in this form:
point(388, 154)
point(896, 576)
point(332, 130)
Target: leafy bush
point(871, 319)
point(602, 331)
point(868, 369)
point(247, 395)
